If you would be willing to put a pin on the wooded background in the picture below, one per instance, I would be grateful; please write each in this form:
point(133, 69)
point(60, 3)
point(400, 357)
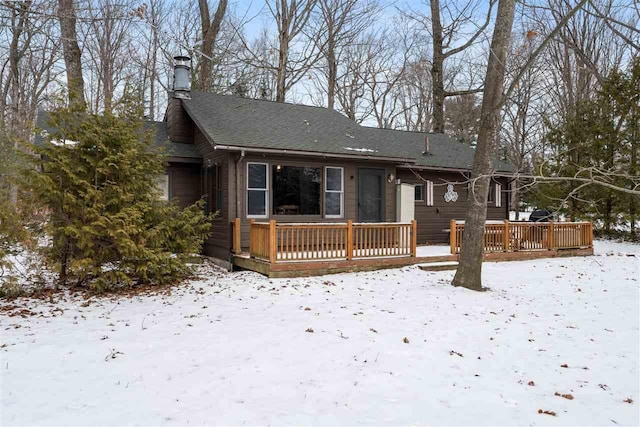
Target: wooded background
point(416, 66)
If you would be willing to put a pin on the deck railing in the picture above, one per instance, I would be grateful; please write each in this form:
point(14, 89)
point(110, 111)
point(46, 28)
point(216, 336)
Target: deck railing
point(280, 242)
point(528, 236)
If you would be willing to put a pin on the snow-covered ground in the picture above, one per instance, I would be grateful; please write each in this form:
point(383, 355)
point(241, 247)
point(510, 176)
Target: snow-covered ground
point(237, 348)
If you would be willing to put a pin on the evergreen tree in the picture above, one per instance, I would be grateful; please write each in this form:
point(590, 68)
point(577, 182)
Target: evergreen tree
point(600, 138)
point(107, 226)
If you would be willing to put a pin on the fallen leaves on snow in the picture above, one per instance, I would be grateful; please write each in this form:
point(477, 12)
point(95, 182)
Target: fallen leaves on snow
point(566, 396)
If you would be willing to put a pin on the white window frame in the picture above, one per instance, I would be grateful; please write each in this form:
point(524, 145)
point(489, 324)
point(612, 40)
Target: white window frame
point(429, 193)
point(498, 195)
point(341, 215)
point(266, 191)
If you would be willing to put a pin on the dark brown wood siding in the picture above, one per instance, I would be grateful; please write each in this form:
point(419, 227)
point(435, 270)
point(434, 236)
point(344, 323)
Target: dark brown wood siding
point(350, 188)
point(179, 125)
point(434, 221)
point(184, 182)
point(219, 243)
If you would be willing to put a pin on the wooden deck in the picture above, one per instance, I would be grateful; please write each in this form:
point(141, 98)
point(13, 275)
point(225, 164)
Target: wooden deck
point(298, 250)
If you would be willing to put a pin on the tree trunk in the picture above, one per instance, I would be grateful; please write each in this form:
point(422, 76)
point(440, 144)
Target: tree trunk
point(72, 54)
point(210, 32)
point(469, 273)
point(634, 168)
point(15, 55)
point(437, 78)
point(283, 59)
point(332, 74)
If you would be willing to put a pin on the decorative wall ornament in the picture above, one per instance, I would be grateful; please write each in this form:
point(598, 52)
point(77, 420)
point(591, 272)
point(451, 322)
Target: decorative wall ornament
point(450, 195)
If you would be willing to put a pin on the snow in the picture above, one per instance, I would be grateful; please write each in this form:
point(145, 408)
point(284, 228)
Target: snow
point(433, 250)
point(362, 150)
point(231, 348)
point(522, 215)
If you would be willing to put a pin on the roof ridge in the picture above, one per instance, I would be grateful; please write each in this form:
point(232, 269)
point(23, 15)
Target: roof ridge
point(227, 95)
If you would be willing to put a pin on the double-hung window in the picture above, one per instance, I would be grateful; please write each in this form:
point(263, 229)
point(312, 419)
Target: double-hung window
point(333, 192)
point(257, 190)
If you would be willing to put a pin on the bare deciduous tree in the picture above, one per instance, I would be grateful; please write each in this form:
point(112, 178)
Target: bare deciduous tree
point(340, 23)
point(291, 18)
point(72, 53)
point(446, 34)
point(469, 271)
point(210, 31)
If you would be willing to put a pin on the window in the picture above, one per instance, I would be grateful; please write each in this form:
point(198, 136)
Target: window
point(162, 185)
point(419, 189)
point(296, 190)
point(429, 193)
point(333, 192)
point(257, 190)
point(498, 195)
point(212, 188)
point(492, 193)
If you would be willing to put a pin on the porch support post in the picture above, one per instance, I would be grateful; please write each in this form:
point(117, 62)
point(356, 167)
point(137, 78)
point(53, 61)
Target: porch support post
point(452, 236)
point(349, 240)
point(414, 238)
point(273, 245)
point(506, 235)
point(236, 236)
point(552, 236)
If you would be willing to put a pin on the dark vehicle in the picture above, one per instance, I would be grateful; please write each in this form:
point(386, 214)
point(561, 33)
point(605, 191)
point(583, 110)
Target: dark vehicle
point(541, 215)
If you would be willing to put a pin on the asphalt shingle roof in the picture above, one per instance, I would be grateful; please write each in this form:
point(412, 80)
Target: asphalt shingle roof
point(252, 123)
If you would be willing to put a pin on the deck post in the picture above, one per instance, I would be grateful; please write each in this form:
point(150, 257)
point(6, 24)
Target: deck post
point(452, 236)
point(414, 238)
point(552, 236)
point(273, 245)
point(251, 237)
point(349, 240)
point(506, 236)
point(236, 236)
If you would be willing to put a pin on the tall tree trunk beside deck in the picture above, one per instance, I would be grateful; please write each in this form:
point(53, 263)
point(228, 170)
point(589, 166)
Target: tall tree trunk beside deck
point(72, 54)
point(469, 271)
point(210, 31)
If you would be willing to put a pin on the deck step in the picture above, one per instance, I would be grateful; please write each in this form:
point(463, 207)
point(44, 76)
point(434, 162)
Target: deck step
point(439, 266)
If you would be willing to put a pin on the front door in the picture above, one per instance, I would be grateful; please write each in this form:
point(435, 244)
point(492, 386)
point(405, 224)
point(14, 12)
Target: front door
point(371, 195)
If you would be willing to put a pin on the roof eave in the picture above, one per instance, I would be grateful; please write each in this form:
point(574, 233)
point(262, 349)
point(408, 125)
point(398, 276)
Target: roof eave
point(312, 153)
point(446, 169)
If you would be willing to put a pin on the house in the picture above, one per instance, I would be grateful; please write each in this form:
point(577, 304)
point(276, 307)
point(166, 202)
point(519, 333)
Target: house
point(261, 160)
point(257, 160)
